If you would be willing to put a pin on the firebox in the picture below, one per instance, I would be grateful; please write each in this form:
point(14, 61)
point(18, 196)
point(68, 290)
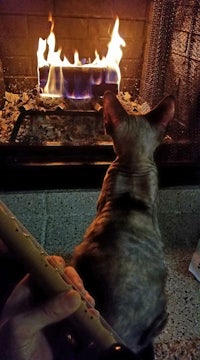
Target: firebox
point(54, 71)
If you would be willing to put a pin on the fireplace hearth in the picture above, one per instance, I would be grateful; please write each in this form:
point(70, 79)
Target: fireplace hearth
point(60, 142)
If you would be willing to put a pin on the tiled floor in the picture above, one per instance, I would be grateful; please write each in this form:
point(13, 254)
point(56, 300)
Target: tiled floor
point(58, 220)
point(181, 338)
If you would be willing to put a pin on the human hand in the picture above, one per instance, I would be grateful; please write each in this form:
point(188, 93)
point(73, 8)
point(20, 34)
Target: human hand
point(22, 322)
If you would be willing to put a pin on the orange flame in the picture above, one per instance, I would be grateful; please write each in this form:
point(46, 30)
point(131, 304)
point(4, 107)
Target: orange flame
point(51, 68)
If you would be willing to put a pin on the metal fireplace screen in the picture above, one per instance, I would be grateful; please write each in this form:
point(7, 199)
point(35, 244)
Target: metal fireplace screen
point(172, 66)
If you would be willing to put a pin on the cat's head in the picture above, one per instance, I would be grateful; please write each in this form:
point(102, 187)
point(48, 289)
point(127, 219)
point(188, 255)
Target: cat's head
point(135, 137)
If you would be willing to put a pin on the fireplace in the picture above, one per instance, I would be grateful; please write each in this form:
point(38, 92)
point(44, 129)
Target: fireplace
point(160, 57)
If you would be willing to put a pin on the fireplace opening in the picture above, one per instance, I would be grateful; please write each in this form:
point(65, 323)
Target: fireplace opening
point(84, 78)
point(58, 140)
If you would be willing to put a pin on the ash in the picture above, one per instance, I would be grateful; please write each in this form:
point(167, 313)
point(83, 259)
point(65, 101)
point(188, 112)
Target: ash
point(58, 128)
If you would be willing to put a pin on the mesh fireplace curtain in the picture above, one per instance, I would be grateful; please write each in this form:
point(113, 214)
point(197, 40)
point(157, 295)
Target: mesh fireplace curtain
point(172, 66)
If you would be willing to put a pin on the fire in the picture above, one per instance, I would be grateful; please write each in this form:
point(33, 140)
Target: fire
point(59, 77)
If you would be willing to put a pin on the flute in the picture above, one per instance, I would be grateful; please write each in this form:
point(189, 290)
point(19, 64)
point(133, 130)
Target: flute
point(95, 331)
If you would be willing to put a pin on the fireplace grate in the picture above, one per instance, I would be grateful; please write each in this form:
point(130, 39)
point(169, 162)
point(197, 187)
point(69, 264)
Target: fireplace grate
point(66, 127)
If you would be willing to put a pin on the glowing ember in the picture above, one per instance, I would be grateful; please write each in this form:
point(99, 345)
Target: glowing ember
point(58, 77)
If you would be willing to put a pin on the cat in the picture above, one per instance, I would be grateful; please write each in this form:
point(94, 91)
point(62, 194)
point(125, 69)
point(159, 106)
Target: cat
point(121, 258)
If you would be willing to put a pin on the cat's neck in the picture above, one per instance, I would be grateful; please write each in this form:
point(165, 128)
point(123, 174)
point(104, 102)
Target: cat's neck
point(138, 181)
point(140, 166)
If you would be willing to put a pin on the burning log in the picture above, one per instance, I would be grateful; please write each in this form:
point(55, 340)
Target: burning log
point(77, 82)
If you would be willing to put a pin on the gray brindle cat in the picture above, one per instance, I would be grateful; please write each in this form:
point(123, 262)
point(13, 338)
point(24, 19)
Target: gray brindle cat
point(121, 257)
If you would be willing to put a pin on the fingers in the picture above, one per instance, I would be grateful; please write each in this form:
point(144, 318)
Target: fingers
point(75, 279)
point(55, 310)
point(56, 261)
point(72, 277)
point(21, 300)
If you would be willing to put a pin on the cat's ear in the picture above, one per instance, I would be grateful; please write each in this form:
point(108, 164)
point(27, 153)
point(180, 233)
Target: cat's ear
point(163, 113)
point(114, 113)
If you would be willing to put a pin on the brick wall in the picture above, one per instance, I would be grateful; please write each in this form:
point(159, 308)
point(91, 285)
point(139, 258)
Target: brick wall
point(81, 25)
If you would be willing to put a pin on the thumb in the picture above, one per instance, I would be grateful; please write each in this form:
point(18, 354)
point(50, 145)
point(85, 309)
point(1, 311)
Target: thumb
point(54, 310)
